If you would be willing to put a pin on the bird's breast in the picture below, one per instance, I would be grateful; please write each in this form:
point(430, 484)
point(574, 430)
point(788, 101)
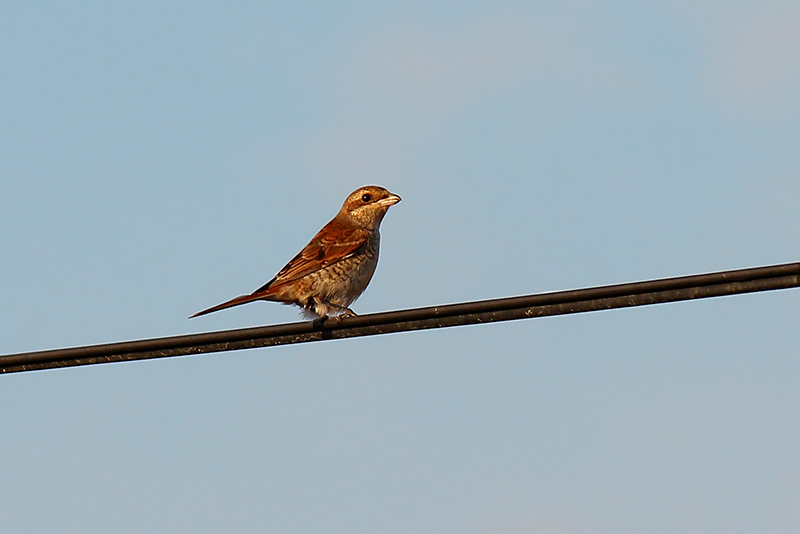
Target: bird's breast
point(341, 283)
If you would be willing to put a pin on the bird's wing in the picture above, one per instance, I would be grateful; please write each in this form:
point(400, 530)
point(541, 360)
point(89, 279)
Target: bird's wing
point(335, 242)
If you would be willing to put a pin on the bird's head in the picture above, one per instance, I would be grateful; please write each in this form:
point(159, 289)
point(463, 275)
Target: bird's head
point(367, 205)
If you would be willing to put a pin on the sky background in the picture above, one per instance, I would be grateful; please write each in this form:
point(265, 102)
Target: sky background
point(159, 158)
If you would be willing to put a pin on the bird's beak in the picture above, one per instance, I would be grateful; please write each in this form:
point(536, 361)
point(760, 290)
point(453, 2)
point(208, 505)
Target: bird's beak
point(390, 200)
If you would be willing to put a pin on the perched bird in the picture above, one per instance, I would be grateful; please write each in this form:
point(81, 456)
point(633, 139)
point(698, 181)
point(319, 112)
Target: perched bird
point(332, 271)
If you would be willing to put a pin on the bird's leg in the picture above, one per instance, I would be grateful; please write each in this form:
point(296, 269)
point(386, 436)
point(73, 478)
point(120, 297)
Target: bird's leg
point(343, 310)
point(347, 312)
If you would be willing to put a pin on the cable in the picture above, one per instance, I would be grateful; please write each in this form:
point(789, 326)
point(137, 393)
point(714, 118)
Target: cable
point(506, 309)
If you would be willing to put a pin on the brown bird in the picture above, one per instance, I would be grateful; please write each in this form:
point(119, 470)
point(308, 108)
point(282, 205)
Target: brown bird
point(332, 271)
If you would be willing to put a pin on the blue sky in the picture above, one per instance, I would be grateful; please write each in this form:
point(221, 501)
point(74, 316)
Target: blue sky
point(158, 159)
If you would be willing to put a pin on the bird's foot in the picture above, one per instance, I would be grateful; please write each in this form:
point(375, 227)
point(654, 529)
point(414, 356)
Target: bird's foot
point(339, 312)
point(346, 312)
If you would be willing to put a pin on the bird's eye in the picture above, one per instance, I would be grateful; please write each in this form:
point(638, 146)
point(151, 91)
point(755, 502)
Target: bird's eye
point(366, 197)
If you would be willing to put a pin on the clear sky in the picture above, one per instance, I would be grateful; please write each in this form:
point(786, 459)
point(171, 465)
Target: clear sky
point(160, 157)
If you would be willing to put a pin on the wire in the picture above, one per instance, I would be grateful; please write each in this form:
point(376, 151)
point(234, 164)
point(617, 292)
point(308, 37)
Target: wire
point(506, 309)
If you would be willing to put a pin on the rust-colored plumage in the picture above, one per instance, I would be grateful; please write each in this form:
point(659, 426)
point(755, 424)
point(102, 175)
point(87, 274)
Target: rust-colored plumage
point(332, 271)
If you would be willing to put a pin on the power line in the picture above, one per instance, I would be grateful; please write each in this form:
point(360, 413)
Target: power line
point(486, 311)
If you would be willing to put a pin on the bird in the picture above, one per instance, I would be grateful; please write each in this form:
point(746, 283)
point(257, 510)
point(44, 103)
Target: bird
point(336, 266)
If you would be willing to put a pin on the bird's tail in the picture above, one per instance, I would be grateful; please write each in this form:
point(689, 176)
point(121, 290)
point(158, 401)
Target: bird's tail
point(244, 299)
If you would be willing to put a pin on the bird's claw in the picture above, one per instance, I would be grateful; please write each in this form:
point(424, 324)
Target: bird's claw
point(346, 312)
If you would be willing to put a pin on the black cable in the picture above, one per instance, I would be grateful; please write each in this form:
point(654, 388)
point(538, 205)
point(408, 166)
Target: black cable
point(506, 309)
